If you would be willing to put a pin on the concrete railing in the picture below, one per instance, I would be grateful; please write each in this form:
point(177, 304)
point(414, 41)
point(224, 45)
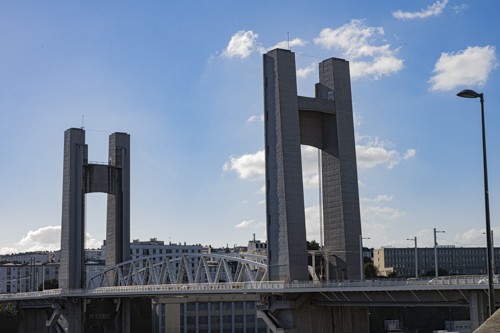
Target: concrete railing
point(461, 282)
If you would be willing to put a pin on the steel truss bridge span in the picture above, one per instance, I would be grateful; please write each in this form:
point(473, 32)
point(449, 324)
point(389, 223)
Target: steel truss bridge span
point(188, 268)
point(357, 293)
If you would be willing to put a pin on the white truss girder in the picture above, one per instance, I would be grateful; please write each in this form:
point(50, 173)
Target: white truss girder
point(208, 268)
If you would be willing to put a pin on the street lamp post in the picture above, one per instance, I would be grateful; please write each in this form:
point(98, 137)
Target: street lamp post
point(492, 252)
point(436, 252)
point(416, 255)
point(467, 93)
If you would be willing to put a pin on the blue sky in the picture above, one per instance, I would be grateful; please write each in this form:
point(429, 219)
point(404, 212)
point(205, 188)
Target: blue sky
point(185, 80)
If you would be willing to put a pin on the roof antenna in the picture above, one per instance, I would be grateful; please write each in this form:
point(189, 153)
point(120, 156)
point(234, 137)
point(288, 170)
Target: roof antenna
point(288, 39)
point(83, 121)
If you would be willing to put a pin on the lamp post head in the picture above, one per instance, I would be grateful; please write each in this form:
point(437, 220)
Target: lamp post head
point(467, 93)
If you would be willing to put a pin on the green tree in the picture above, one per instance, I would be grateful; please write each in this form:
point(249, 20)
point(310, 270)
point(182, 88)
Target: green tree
point(8, 309)
point(9, 318)
point(312, 245)
point(392, 274)
point(371, 270)
point(49, 284)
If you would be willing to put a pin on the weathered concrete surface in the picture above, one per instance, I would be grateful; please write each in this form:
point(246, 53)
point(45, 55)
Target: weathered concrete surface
point(324, 122)
point(491, 325)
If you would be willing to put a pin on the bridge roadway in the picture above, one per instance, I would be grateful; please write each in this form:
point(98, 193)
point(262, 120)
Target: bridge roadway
point(444, 291)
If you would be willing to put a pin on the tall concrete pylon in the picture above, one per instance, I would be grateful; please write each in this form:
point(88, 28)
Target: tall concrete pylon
point(81, 177)
point(324, 122)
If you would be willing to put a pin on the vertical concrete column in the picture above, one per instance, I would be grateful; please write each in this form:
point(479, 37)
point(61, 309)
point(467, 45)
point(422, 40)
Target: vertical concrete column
point(118, 214)
point(341, 214)
point(287, 251)
point(71, 268)
point(477, 307)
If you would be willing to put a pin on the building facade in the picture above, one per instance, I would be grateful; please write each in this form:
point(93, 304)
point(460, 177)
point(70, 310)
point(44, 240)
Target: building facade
point(451, 261)
point(207, 316)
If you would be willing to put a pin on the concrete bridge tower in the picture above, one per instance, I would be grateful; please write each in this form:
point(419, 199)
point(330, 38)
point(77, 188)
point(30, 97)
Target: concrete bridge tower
point(324, 122)
point(81, 177)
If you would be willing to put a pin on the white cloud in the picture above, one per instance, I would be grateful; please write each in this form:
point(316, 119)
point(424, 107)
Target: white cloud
point(244, 224)
point(476, 237)
point(44, 239)
point(241, 45)
point(288, 44)
point(91, 243)
point(372, 156)
point(248, 166)
point(8, 250)
point(375, 152)
point(471, 237)
point(356, 41)
point(255, 118)
point(310, 167)
point(312, 223)
point(304, 72)
point(369, 155)
point(469, 67)
point(376, 208)
point(410, 153)
point(432, 10)
point(252, 166)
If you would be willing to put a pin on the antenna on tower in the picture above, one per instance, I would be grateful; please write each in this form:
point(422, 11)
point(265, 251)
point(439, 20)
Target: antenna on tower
point(288, 39)
point(83, 121)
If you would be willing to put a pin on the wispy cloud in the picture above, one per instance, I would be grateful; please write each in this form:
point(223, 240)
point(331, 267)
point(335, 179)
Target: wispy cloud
point(469, 67)
point(457, 9)
point(372, 152)
point(432, 10)
point(409, 154)
point(358, 44)
point(244, 224)
point(377, 208)
point(304, 72)
point(241, 45)
point(288, 44)
point(255, 118)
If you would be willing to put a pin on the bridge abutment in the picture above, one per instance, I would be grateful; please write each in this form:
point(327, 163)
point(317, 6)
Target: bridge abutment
point(296, 313)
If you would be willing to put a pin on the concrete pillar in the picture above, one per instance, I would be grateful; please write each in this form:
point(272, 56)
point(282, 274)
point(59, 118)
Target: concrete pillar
point(286, 238)
point(324, 122)
point(477, 308)
point(72, 225)
point(118, 216)
point(341, 213)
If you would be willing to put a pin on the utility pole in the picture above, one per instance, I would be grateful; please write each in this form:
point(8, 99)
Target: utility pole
point(435, 252)
point(416, 255)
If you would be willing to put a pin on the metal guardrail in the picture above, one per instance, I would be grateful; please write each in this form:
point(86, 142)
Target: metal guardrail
point(445, 282)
